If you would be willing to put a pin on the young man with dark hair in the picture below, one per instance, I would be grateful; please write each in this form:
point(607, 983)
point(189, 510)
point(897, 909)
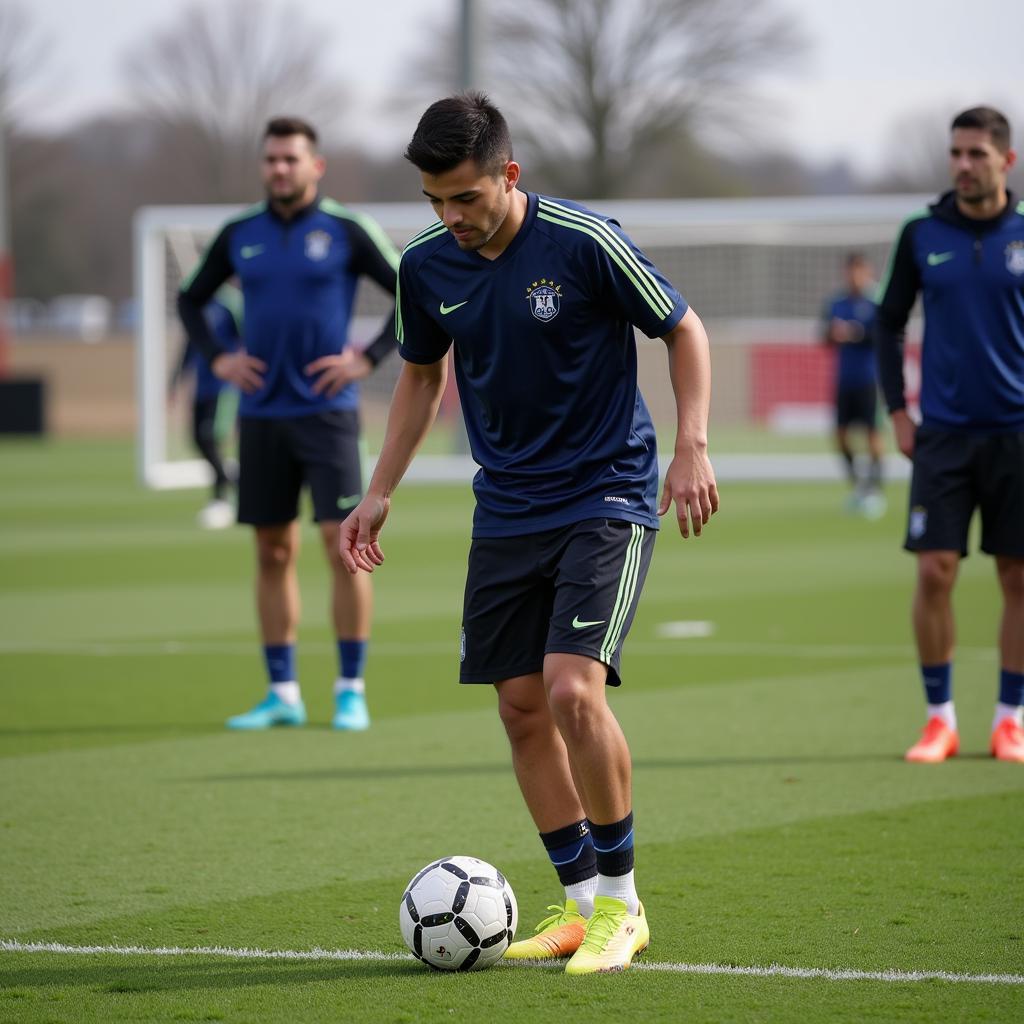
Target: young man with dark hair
point(299, 258)
point(846, 326)
point(539, 296)
point(965, 255)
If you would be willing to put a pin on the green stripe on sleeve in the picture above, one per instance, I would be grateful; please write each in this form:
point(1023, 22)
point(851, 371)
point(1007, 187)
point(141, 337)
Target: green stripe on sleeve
point(650, 286)
point(659, 311)
point(883, 285)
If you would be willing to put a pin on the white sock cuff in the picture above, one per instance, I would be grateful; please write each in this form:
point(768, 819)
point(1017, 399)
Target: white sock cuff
point(621, 887)
point(342, 685)
point(946, 711)
point(289, 692)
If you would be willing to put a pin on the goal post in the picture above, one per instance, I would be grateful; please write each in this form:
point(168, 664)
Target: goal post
point(758, 272)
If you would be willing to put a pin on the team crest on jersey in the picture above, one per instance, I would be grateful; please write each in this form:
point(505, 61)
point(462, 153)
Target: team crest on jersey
point(1015, 258)
point(545, 298)
point(318, 245)
point(918, 522)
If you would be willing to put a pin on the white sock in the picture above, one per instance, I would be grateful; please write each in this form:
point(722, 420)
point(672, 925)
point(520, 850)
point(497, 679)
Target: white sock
point(288, 692)
point(583, 894)
point(342, 685)
point(1004, 711)
point(944, 711)
point(622, 887)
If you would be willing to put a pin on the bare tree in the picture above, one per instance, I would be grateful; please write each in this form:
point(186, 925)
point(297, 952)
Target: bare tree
point(222, 70)
point(917, 151)
point(596, 86)
point(23, 58)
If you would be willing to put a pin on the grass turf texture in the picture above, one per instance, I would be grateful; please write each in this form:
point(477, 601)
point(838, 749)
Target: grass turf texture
point(776, 821)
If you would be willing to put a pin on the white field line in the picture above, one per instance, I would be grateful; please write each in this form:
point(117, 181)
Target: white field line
point(772, 971)
point(146, 648)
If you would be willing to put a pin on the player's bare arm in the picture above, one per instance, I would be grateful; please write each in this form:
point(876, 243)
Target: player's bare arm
point(241, 369)
point(413, 409)
point(336, 371)
point(904, 428)
point(690, 480)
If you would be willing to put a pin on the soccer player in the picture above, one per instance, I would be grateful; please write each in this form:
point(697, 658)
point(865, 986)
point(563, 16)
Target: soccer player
point(965, 255)
point(299, 258)
point(211, 396)
point(847, 321)
point(539, 296)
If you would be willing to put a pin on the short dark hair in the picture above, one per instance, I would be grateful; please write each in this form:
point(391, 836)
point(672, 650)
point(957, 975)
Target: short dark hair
point(462, 127)
point(284, 127)
point(988, 119)
point(855, 259)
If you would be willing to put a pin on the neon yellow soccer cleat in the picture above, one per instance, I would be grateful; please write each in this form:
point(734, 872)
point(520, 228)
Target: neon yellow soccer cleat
point(556, 936)
point(612, 939)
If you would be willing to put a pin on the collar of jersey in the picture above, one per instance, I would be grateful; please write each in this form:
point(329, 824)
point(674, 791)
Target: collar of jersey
point(513, 247)
point(302, 213)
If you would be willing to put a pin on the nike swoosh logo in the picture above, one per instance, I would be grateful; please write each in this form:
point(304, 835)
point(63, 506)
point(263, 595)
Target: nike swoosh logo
point(445, 310)
point(935, 258)
point(248, 251)
point(576, 624)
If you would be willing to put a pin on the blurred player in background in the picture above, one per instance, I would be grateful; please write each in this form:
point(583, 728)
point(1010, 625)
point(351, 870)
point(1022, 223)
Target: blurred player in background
point(847, 321)
point(539, 298)
point(299, 258)
point(965, 255)
point(214, 402)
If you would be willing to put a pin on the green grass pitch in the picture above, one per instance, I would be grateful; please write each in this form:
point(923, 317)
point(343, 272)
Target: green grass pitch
point(776, 822)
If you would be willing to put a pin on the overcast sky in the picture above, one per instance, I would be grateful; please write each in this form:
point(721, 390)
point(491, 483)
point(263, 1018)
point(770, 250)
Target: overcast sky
point(871, 62)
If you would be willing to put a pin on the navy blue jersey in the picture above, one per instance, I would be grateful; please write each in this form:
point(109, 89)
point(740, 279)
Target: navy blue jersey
point(299, 280)
point(545, 358)
point(970, 274)
point(224, 321)
point(855, 362)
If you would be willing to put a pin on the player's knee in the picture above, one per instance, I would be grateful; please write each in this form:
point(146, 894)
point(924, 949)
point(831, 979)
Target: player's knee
point(521, 720)
point(1011, 579)
point(936, 572)
point(573, 702)
point(274, 555)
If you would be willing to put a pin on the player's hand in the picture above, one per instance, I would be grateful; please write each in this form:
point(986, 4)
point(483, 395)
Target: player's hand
point(357, 541)
point(334, 372)
point(690, 483)
point(905, 430)
point(241, 369)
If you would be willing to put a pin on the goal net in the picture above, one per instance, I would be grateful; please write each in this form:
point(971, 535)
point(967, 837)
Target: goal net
point(758, 271)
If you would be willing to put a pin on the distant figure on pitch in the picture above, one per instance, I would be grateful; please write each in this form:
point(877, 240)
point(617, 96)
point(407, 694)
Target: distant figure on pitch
point(847, 322)
point(965, 255)
point(214, 403)
point(537, 298)
point(299, 258)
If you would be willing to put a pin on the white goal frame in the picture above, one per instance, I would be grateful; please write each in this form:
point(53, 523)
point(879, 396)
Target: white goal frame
point(806, 221)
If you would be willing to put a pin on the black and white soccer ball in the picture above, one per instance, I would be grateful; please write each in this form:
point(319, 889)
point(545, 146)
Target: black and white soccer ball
point(458, 914)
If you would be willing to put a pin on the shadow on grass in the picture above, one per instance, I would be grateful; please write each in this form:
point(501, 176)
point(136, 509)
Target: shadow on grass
point(139, 977)
point(444, 770)
point(105, 729)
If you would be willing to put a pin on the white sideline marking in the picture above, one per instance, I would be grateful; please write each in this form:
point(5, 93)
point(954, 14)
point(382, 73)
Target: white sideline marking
point(773, 970)
point(687, 629)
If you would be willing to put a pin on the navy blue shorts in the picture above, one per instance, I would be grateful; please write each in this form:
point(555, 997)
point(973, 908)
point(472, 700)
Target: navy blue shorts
point(570, 590)
point(277, 457)
point(857, 405)
point(955, 473)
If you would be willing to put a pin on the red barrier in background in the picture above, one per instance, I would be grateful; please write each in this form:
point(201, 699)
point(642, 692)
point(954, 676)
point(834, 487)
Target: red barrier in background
point(791, 375)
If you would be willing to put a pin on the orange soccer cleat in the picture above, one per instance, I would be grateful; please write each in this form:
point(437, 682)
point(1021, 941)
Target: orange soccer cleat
point(557, 936)
point(937, 742)
point(1008, 741)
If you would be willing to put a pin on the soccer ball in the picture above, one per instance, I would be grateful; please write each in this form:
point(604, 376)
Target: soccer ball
point(458, 914)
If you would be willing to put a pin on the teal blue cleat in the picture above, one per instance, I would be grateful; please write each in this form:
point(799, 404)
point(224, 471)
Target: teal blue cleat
point(269, 712)
point(350, 711)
